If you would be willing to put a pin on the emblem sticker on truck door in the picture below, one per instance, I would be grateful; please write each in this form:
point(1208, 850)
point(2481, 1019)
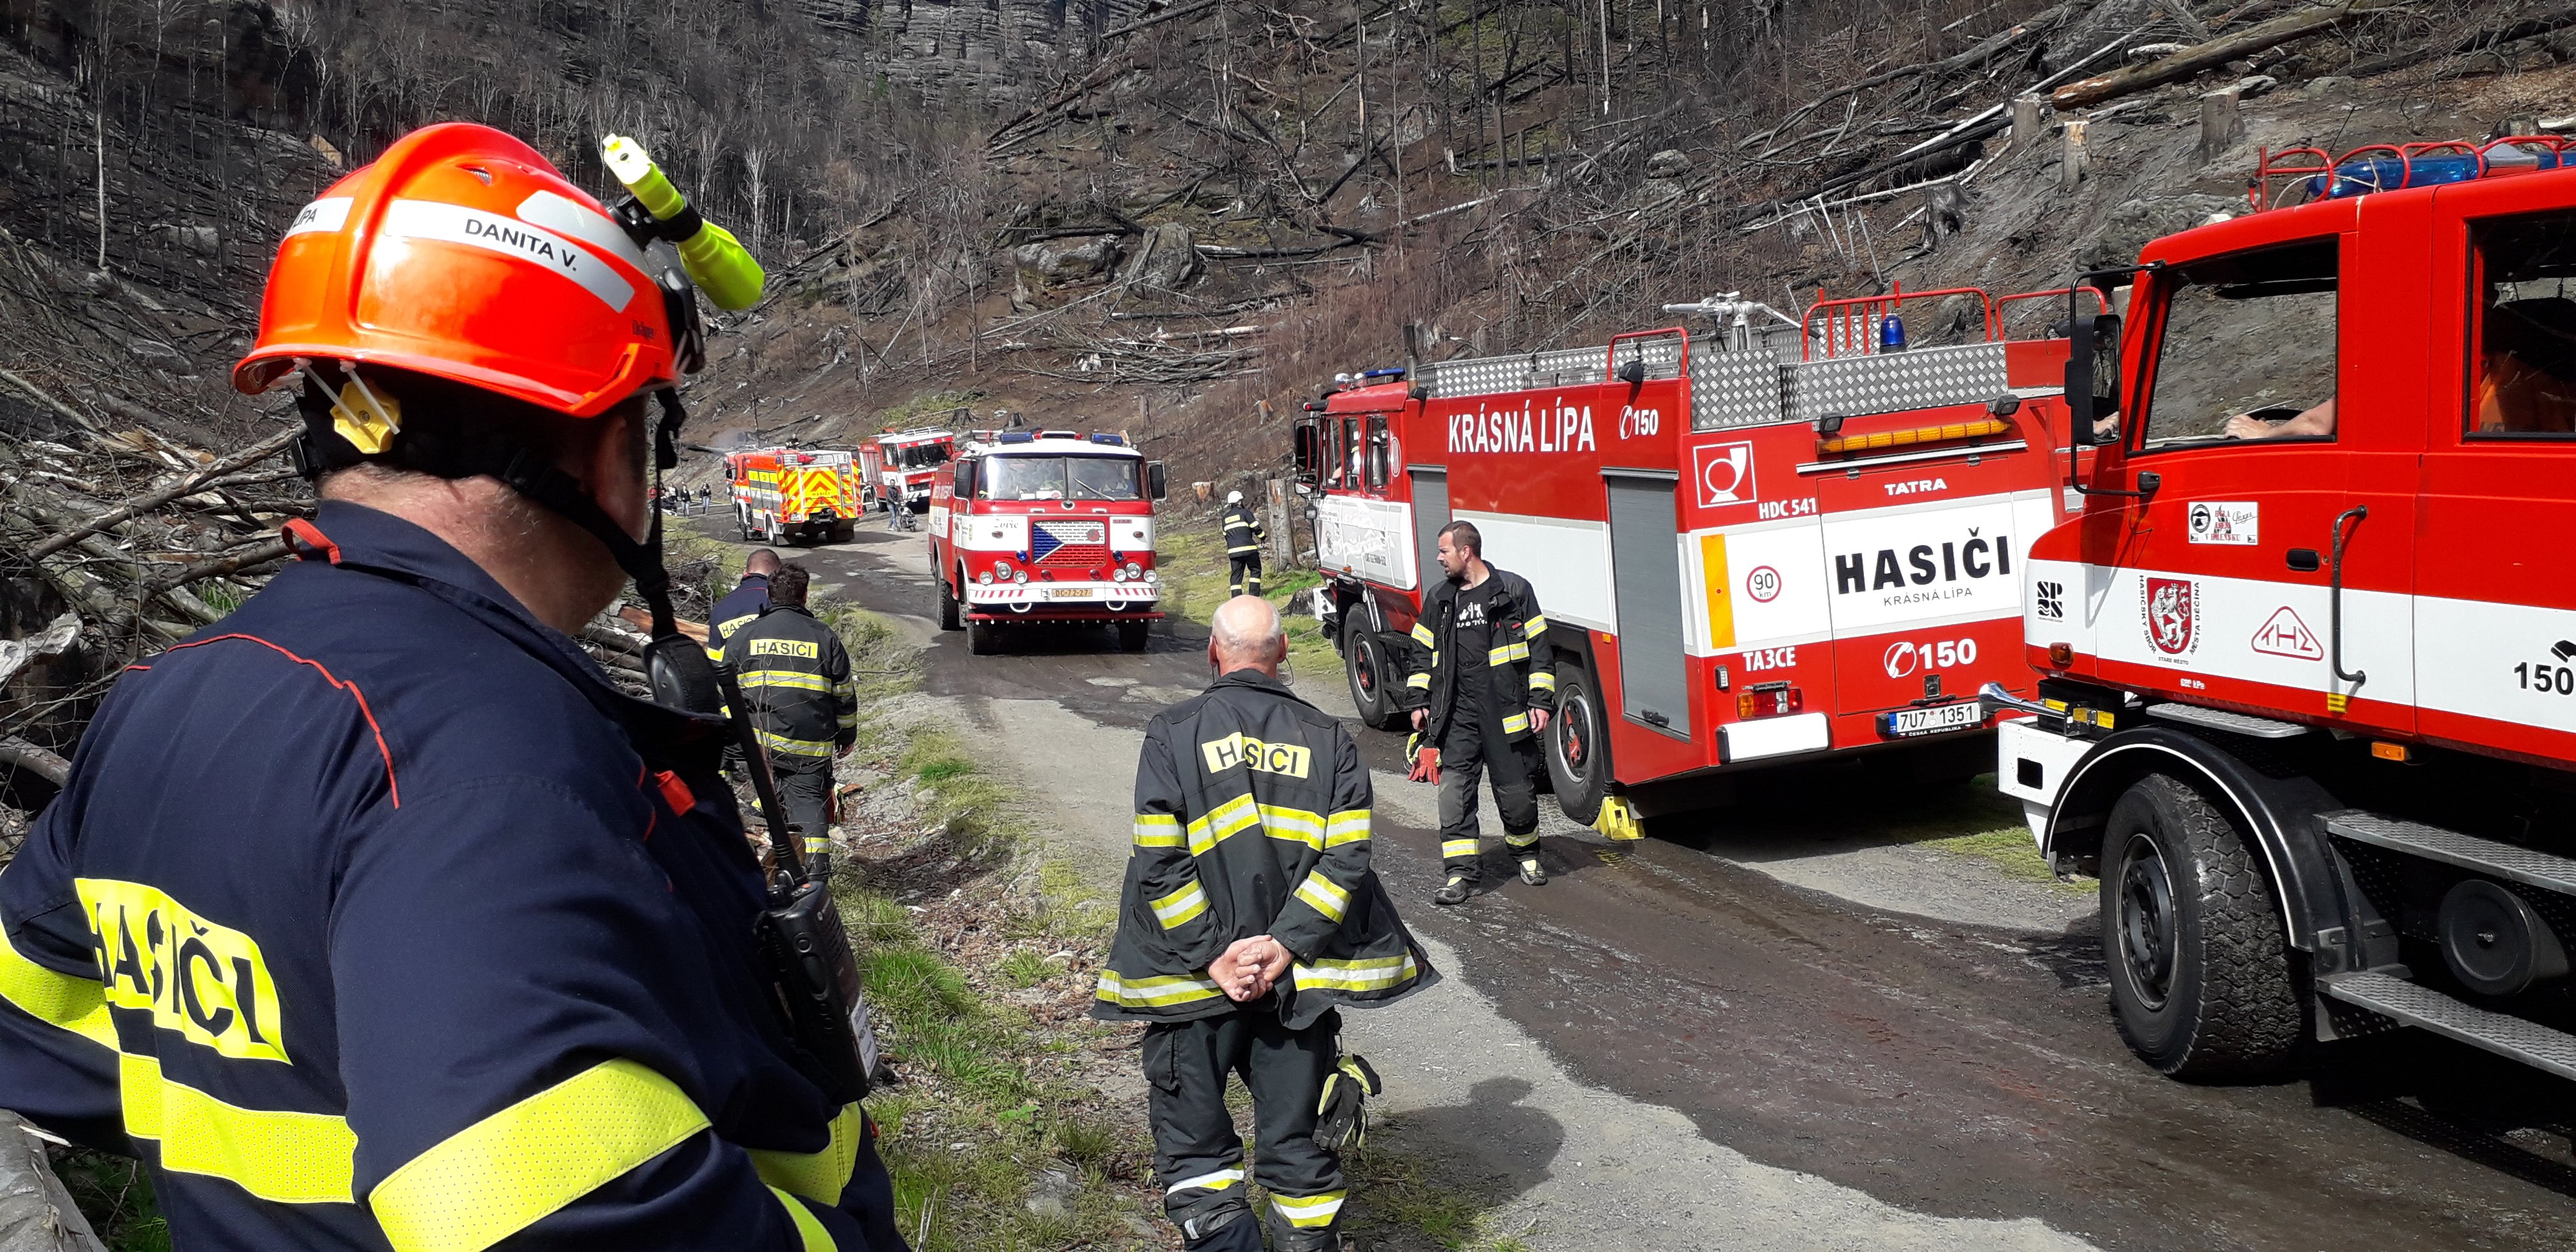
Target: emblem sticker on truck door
point(2225, 521)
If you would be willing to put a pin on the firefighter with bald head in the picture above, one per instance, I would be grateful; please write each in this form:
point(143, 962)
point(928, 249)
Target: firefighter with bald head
point(1483, 681)
point(377, 916)
point(1249, 917)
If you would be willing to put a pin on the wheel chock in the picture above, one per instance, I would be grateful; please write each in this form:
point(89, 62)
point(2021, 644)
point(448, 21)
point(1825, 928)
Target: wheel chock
point(1618, 820)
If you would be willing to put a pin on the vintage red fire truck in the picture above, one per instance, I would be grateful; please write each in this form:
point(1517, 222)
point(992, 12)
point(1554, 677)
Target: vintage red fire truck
point(899, 469)
point(2308, 703)
point(794, 495)
point(1046, 527)
point(1750, 556)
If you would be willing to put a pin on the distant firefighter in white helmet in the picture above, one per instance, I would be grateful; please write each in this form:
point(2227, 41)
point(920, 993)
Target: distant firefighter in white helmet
point(1243, 539)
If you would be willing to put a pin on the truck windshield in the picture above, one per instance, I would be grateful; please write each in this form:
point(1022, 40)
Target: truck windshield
point(920, 455)
point(1060, 478)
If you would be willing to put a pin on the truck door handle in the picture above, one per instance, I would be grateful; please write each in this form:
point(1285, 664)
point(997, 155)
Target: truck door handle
point(2334, 594)
point(2304, 560)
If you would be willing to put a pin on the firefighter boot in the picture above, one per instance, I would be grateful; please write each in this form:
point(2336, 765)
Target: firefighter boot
point(1224, 1228)
point(1287, 1235)
point(1524, 849)
point(1454, 891)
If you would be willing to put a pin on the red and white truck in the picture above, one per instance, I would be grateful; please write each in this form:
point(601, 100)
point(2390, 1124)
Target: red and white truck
point(1749, 556)
point(1046, 528)
point(899, 468)
point(794, 495)
point(2308, 653)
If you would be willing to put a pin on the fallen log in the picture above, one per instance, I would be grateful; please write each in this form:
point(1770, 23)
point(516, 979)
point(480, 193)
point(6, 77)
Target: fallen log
point(2530, 28)
point(150, 500)
point(35, 760)
point(2216, 52)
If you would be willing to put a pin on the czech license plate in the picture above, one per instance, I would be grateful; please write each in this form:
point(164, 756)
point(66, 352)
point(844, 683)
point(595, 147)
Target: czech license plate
point(1068, 593)
point(1934, 720)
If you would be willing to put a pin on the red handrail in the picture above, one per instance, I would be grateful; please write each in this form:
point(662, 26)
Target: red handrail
point(1853, 320)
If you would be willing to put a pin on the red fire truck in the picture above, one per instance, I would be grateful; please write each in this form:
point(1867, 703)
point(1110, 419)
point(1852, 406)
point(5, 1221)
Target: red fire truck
point(1046, 527)
point(793, 495)
point(2308, 654)
point(899, 469)
point(1750, 557)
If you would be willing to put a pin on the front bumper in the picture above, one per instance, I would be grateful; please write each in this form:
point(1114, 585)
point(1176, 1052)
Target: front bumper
point(2032, 764)
point(1063, 599)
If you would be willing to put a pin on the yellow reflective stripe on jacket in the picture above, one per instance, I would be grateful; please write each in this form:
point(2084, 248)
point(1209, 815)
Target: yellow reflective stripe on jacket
point(1347, 826)
point(1371, 974)
point(1222, 822)
point(1176, 910)
point(1507, 654)
point(1515, 723)
point(1246, 548)
point(284, 1158)
point(70, 1001)
point(509, 1170)
point(776, 742)
point(1293, 825)
point(783, 678)
point(809, 1228)
point(1213, 1180)
point(1327, 899)
point(817, 1176)
point(1542, 680)
point(1309, 1210)
point(1422, 635)
point(1159, 830)
point(1139, 993)
point(1421, 681)
point(1535, 626)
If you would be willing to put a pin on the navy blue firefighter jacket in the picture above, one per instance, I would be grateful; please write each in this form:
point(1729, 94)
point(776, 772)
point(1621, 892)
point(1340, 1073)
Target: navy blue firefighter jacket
point(373, 916)
point(738, 607)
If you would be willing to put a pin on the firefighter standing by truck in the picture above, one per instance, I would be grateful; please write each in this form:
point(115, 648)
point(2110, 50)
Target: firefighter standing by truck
point(1482, 682)
point(376, 915)
point(1250, 914)
point(795, 675)
point(1244, 536)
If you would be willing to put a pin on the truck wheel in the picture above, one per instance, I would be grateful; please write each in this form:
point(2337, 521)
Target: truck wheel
point(983, 638)
point(742, 522)
point(1132, 635)
point(2201, 980)
point(1578, 745)
point(948, 619)
point(1364, 666)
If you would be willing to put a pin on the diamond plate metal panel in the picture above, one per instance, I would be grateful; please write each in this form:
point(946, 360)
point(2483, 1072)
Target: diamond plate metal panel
point(1735, 389)
point(1480, 376)
point(2504, 860)
point(2525, 1041)
point(1892, 382)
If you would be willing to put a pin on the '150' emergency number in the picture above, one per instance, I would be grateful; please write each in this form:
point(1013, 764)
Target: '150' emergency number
point(2554, 679)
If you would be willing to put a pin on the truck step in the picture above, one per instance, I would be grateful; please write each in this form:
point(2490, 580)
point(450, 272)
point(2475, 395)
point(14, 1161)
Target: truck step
point(2417, 1005)
point(2486, 856)
point(2221, 719)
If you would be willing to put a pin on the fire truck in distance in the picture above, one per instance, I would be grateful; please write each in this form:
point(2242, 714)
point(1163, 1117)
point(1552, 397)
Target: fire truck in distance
point(1046, 528)
point(2308, 653)
point(899, 469)
point(1750, 557)
point(794, 495)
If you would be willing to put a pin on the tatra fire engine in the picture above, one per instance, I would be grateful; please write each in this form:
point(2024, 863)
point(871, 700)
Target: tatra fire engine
point(1751, 557)
point(795, 495)
point(900, 468)
point(2308, 654)
point(1047, 526)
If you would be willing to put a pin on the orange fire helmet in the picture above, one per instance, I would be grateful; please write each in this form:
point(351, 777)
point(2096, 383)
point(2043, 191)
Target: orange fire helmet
point(463, 254)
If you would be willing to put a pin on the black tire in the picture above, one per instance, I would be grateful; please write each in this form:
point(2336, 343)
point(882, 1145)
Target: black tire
point(742, 523)
point(1364, 667)
point(845, 531)
point(948, 618)
point(983, 638)
point(2203, 982)
point(1132, 635)
point(1578, 745)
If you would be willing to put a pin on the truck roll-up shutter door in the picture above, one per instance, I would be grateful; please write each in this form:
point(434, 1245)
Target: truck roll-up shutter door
point(1646, 583)
point(1430, 513)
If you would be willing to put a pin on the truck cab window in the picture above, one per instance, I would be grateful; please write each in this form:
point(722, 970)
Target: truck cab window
point(2247, 352)
point(1329, 435)
point(1377, 452)
point(2522, 341)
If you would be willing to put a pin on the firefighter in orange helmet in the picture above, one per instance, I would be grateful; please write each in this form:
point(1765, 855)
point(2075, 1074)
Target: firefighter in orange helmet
point(376, 916)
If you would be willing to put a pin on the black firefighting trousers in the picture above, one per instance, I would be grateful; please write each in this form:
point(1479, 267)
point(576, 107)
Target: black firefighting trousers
point(1467, 750)
point(1243, 573)
point(805, 791)
point(1198, 1157)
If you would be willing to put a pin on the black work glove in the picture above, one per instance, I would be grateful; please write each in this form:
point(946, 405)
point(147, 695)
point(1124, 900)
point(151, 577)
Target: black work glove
point(1341, 1123)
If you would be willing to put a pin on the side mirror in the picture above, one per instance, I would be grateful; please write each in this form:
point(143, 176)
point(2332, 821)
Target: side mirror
point(2093, 377)
point(1154, 481)
point(1306, 439)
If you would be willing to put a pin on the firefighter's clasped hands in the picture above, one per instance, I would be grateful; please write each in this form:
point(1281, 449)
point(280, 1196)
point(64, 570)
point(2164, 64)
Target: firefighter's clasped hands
point(1249, 966)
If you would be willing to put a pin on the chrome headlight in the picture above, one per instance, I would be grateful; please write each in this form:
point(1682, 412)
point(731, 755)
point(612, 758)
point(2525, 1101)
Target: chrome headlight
point(1002, 568)
point(1118, 576)
point(985, 578)
point(1133, 569)
point(1152, 576)
point(1019, 576)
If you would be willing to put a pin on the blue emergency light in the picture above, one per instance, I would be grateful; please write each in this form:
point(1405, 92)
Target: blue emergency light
point(1017, 436)
point(1113, 440)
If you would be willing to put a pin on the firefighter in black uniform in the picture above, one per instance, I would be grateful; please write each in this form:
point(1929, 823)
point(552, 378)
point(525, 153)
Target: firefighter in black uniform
point(804, 710)
point(1243, 539)
point(1483, 681)
point(743, 603)
point(1249, 915)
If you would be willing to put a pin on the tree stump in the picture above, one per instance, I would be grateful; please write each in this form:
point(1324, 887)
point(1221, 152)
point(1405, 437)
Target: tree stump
point(2026, 119)
point(2075, 160)
point(2220, 121)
